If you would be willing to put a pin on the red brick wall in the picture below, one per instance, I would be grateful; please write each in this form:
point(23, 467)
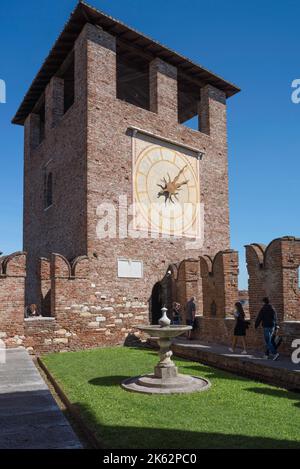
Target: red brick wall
point(220, 293)
point(189, 284)
point(82, 316)
point(12, 306)
point(44, 284)
point(62, 227)
point(219, 283)
point(90, 154)
point(110, 166)
point(273, 272)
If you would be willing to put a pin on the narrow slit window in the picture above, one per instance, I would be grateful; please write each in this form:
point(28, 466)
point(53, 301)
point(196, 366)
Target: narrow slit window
point(48, 190)
point(42, 114)
point(69, 85)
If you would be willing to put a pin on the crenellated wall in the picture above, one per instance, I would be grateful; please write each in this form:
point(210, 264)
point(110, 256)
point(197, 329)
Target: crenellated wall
point(12, 288)
point(83, 314)
point(77, 312)
point(274, 272)
point(220, 293)
point(220, 283)
point(80, 310)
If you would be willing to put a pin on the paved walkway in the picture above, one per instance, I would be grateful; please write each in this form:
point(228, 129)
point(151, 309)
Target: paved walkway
point(282, 362)
point(282, 372)
point(29, 415)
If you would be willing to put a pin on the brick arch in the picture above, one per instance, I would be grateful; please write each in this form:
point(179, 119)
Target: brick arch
point(14, 264)
point(60, 266)
point(174, 271)
point(188, 284)
point(257, 251)
point(80, 267)
point(206, 263)
point(12, 297)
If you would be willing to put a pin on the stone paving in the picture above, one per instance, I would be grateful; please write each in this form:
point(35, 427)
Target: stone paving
point(29, 415)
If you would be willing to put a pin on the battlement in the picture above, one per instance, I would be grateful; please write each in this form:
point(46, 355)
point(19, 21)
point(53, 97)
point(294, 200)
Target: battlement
point(12, 291)
point(13, 265)
point(220, 283)
point(274, 272)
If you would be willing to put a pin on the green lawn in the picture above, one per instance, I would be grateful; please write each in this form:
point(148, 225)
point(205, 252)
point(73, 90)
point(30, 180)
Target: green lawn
point(235, 413)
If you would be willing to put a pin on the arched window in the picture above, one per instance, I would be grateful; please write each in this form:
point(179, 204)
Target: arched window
point(48, 190)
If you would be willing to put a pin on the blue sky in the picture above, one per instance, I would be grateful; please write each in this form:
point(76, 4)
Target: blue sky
point(254, 44)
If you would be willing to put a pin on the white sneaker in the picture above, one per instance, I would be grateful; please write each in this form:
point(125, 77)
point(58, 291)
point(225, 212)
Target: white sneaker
point(231, 350)
point(266, 357)
point(244, 352)
point(275, 357)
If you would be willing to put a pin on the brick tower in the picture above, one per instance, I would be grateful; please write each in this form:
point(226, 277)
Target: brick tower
point(104, 124)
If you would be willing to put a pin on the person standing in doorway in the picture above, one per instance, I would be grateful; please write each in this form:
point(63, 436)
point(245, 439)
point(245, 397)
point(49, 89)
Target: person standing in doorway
point(240, 328)
point(32, 311)
point(190, 314)
point(268, 318)
point(176, 314)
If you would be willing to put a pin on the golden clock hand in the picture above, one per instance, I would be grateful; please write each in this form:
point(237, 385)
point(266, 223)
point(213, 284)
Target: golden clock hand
point(181, 184)
point(179, 174)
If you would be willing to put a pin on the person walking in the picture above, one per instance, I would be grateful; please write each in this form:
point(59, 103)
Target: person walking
point(190, 314)
point(268, 318)
point(240, 328)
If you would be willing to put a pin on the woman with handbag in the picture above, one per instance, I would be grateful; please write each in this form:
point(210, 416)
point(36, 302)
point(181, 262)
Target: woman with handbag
point(241, 326)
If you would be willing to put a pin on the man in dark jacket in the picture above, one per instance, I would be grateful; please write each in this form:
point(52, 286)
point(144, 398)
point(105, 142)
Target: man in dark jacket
point(268, 317)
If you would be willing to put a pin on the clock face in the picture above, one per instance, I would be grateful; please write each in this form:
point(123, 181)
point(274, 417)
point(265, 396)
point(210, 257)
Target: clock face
point(166, 190)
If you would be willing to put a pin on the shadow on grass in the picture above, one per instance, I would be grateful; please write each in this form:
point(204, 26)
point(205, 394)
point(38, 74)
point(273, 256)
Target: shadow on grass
point(277, 393)
point(211, 372)
point(108, 380)
point(128, 437)
point(191, 366)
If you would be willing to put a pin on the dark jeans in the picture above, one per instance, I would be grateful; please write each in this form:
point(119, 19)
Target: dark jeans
point(268, 333)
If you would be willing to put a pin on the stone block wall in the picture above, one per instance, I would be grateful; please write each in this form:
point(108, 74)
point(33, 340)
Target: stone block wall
point(77, 313)
point(84, 313)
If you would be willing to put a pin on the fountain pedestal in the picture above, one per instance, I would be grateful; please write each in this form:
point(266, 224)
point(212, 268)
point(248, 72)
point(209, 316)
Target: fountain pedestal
point(166, 379)
point(165, 368)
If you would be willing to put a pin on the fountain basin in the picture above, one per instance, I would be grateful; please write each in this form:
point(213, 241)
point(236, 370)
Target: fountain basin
point(165, 332)
point(181, 384)
point(165, 379)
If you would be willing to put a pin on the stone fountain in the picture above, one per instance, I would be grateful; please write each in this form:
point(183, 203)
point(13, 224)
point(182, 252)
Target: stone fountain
point(165, 379)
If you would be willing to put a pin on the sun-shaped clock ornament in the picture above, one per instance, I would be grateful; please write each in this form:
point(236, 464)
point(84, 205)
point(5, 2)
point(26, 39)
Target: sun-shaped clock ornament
point(170, 189)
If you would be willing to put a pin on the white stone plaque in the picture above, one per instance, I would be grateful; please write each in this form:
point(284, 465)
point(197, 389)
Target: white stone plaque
point(128, 268)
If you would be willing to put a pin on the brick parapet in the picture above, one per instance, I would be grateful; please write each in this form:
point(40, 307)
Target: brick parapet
point(12, 301)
